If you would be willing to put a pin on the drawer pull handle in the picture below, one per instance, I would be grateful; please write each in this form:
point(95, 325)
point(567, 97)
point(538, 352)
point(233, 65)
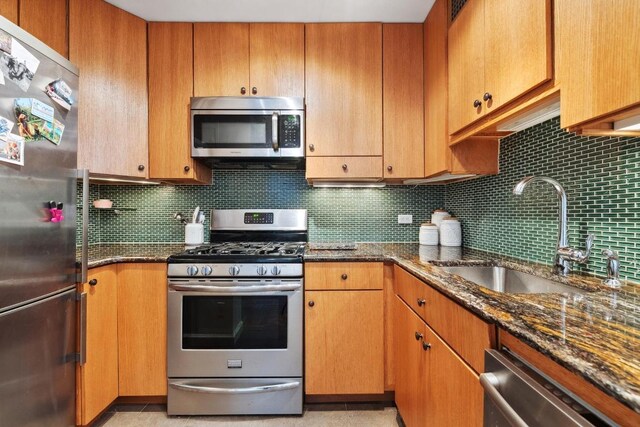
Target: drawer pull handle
point(344, 167)
point(93, 282)
point(344, 277)
point(311, 303)
point(421, 302)
point(425, 345)
point(243, 90)
point(487, 96)
point(418, 336)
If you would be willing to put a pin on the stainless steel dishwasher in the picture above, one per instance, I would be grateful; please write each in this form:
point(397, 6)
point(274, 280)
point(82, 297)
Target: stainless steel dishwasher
point(518, 395)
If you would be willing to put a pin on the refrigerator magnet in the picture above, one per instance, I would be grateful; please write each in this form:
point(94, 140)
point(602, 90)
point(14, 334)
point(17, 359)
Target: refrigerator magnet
point(12, 150)
point(60, 93)
point(19, 66)
point(5, 128)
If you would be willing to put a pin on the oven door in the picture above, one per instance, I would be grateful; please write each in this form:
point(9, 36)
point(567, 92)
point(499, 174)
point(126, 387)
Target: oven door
point(246, 133)
point(234, 328)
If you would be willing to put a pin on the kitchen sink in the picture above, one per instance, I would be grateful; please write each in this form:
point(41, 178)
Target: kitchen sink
point(501, 279)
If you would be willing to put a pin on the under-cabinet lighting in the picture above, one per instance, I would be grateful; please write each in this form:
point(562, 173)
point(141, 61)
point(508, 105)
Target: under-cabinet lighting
point(437, 179)
point(531, 118)
point(122, 181)
point(338, 184)
point(630, 123)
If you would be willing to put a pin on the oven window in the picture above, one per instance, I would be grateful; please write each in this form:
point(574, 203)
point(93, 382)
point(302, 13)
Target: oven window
point(232, 131)
point(234, 322)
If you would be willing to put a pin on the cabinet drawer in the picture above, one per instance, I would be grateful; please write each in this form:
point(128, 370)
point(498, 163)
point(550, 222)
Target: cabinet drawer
point(465, 332)
point(343, 275)
point(344, 168)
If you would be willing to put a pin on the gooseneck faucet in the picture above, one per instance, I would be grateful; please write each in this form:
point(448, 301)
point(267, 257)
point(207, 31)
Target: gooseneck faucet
point(564, 255)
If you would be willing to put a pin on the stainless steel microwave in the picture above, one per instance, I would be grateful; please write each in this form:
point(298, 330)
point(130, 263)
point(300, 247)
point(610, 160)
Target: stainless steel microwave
point(240, 130)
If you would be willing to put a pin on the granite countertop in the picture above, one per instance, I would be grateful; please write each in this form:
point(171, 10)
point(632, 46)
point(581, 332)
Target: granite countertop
point(595, 334)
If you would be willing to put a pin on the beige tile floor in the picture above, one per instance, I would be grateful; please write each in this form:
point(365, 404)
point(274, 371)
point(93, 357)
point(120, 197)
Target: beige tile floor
point(329, 416)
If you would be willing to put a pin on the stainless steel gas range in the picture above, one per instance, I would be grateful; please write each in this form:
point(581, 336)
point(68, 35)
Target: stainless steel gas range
point(235, 317)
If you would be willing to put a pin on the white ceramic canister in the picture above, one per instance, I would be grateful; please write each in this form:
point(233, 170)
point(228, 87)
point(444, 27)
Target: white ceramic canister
point(438, 215)
point(428, 234)
point(450, 232)
point(193, 234)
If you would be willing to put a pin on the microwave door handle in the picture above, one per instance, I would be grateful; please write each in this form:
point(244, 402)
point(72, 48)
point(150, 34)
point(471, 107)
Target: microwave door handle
point(274, 131)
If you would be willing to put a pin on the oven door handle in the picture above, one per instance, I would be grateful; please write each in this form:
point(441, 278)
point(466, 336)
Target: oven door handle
point(234, 289)
point(244, 390)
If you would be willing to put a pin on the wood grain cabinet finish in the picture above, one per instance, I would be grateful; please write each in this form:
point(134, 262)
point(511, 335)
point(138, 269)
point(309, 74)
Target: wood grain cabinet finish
point(142, 329)
point(46, 20)
point(597, 61)
point(343, 66)
point(9, 9)
point(434, 386)
point(344, 168)
point(170, 92)
point(98, 378)
point(341, 359)
point(109, 46)
point(484, 41)
point(343, 275)
point(403, 101)
point(240, 59)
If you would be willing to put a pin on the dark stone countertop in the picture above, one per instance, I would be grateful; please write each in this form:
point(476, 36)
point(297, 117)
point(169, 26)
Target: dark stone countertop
point(595, 334)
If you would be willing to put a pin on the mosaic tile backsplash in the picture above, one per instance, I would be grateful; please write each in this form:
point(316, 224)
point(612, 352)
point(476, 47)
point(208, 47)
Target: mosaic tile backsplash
point(601, 176)
point(336, 215)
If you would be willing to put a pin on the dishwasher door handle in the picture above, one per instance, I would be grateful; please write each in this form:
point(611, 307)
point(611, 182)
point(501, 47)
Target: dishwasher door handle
point(490, 383)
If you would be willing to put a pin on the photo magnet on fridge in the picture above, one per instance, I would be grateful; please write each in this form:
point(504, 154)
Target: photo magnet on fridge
point(19, 66)
point(5, 128)
point(12, 150)
point(60, 93)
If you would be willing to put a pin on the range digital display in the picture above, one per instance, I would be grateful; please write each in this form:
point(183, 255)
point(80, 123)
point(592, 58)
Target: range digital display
point(258, 218)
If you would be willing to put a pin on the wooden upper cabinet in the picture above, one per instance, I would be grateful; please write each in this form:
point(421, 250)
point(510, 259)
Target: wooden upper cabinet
point(109, 46)
point(170, 92)
point(276, 60)
point(343, 66)
point(9, 9)
point(498, 51)
point(402, 70)
point(46, 20)
point(234, 59)
point(598, 61)
point(221, 59)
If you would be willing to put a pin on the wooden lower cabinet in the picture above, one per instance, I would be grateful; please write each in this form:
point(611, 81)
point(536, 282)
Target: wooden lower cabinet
point(97, 381)
point(344, 351)
point(434, 387)
point(142, 329)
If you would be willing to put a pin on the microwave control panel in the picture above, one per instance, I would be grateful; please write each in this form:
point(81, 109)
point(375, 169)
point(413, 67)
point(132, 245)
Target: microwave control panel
point(289, 131)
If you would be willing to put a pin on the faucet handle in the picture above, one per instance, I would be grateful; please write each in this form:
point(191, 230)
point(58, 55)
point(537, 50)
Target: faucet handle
point(577, 255)
point(613, 268)
point(610, 254)
point(590, 239)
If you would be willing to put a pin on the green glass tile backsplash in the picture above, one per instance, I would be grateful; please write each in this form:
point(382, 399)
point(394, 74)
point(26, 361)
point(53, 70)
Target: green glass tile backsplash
point(601, 176)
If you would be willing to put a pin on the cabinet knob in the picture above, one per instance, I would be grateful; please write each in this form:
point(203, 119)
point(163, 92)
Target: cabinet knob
point(487, 96)
point(344, 167)
point(418, 336)
point(243, 90)
point(93, 282)
point(187, 168)
point(312, 147)
point(311, 303)
point(344, 277)
point(140, 168)
point(254, 90)
point(421, 302)
point(477, 103)
point(425, 345)
point(389, 168)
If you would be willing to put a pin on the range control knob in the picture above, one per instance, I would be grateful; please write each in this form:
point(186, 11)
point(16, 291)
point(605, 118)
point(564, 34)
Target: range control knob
point(234, 271)
point(262, 270)
point(275, 270)
point(192, 270)
point(207, 270)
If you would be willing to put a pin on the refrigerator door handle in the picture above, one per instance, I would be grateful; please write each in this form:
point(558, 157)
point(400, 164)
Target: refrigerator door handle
point(84, 175)
point(82, 356)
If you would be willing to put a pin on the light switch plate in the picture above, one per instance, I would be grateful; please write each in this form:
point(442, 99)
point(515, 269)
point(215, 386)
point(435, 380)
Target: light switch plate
point(405, 219)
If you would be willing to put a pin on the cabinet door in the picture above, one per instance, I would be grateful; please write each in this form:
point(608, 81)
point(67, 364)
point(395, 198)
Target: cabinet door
point(466, 65)
point(344, 352)
point(454, 396)
point(410, 369)
point(517, 48)
point(599, 58)
point(403, 101)
point(46, 20)
point(142, 329)
point(220, 59)
point(170, 92)
point(343, 67)
point(277, 59)
point(109, 46)
point(98, 379)
point(9, 9)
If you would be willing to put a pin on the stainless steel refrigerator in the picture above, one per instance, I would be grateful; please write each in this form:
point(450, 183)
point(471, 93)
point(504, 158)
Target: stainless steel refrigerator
point(37, 256)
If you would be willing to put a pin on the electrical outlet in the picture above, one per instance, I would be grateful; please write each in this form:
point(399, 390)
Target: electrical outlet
point(405, 219)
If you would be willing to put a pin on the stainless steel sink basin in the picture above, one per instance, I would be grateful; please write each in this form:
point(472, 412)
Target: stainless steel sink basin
point(501, 279)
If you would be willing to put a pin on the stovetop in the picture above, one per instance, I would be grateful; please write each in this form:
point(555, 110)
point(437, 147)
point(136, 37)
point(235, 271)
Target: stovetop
point(246, 252)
